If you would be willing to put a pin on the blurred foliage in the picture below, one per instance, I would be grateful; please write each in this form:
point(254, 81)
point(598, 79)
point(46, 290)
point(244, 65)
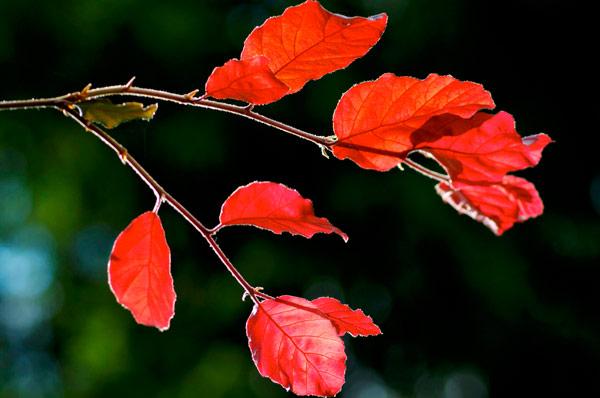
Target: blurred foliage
point(465, 314)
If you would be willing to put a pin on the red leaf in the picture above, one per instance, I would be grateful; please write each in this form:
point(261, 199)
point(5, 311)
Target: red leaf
point(306, 42)
point(139, 272)
point(296, 347)
point(248, 80)
point(374, 121)
point(274, 207)
point(498, 205)
point(481, 149)
point(345, 319)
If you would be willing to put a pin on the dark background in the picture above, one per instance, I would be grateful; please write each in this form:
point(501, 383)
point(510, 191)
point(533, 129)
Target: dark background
point(464, 313)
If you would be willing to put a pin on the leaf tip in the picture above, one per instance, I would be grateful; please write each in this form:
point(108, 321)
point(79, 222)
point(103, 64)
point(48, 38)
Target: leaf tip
point(540, 139)
point(383, 17)
point(343, 235)
point(166, 327)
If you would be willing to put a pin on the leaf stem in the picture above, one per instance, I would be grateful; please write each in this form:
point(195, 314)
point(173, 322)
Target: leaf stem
point(425, 171)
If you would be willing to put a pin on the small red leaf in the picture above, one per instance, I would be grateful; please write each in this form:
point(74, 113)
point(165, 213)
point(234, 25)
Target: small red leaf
point(481, 149)
point(248, 80)
point(345, 319)
point(296, 347)
point(276, 208)
point(497, 205)
point(374, 121)
point(139, 272)
point(307, 42)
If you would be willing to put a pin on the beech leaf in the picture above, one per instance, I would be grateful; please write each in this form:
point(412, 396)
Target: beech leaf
point(296, 347)
point(276, 208)
point(345, 319)
point(307, 42)
point(111, 115)
point(481, 149)
point(139, 272)
point(374, 121)
point(248, 80)
point(497, 205)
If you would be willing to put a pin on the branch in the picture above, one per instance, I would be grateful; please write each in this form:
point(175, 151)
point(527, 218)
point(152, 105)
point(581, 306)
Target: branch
point(68, 105)
point(162, 196)
point(190, 99)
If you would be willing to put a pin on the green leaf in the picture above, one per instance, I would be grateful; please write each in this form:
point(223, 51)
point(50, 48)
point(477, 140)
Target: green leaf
point(111, 115)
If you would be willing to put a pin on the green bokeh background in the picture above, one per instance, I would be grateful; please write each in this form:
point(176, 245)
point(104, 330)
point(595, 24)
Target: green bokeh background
point(464, 313)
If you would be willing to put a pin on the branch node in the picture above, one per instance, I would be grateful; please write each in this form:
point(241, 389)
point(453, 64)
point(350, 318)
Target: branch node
point(78, 109)
point(69, 106)
point(129, 83)
point(84, 92)
point(331, 139)
point(160, 199)
point(249, 108)
point(123, 155)
point(256, 289)
point(190, 96)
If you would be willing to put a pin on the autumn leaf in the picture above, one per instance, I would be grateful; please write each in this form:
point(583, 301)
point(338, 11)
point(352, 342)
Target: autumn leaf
point(296, 347)
point(345, 319)
point(276, 208)
point(248, 80)
point(497, 205)
point(139, 272)
point(306, 42)
point(374, 121)
point(111, 115)
point(481, 149)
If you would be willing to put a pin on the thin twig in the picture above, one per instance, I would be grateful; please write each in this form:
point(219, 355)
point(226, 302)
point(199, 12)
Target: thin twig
point(68, 105)
point(161, 195)
point(190, 100)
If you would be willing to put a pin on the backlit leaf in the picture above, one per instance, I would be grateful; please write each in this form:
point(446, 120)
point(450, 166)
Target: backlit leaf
point(296, 347)
point(248, 80)
point(481, 149)
point(276, 208)
point(307, 42)
point(111, 115)
point(139, 272)
point(497, 205)
point(374, 121)
point(345, 319)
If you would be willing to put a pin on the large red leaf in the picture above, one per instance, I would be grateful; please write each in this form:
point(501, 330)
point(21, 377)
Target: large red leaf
point(296, 347)
point(276, 208)
point(374, 121)
point(497, 205)
point(481, 149)
point(139, 272)
point(345, 319)
point(248, 80)
point(307, 42)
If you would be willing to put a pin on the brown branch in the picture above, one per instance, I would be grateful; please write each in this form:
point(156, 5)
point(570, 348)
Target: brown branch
point(190, 99)
point(68, 105)
point(162, 195)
